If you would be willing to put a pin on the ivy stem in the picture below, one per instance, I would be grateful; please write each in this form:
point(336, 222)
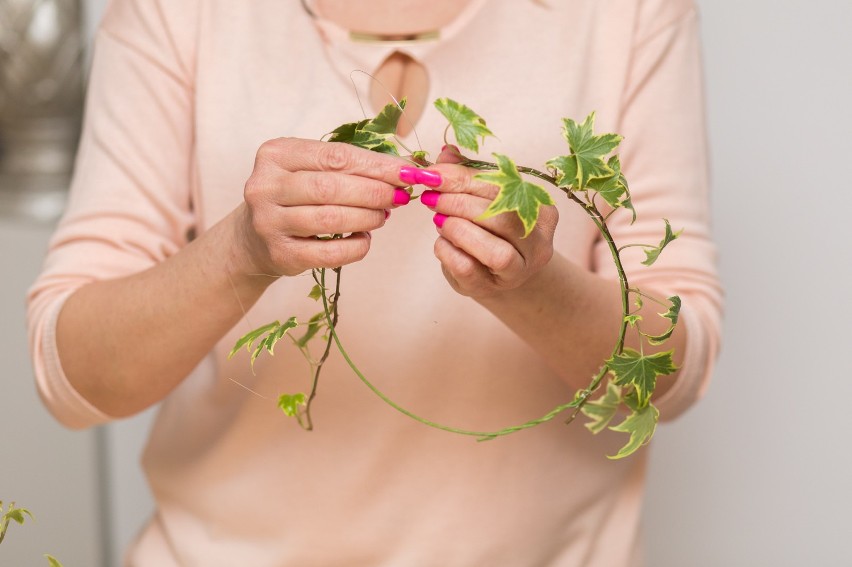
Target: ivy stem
point(600, 222)
point(5, 520)
point(332, 317)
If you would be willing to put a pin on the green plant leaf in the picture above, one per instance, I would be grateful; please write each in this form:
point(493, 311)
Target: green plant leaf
point(386, 120)
point(420, 158)
point(345, 132)
point(631, 367)
point(17, 514)
point(466, 124)
point(602, 410)
point(316, 292)
point(672, 315)
point(674, 310)
point(373, 133)
point(587, 152)
point(52, 561)
point(249, 338)
point(632, 319)
point(640, 424)
point(315, 323)
point(274, 332)
point(290, 403)
point(614, 188)
point(515, 194)
point(653, 253)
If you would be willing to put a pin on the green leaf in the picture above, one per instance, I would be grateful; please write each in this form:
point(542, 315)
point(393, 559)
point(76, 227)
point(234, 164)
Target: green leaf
point(602, 410)
point(466, 124)
point(249, 338)
point(315, 323)
point(290, 403)
point(587, 152)
point(515, 194)
point(672, 315)
point(674, 310)
point(641, 371)
point(52, 561)
point(274, 332)
point(386, 120)
point(640, 424)
point(420, 158)
point(614, 188)
point(345, 132)
point(316, 292)
point(632, 319)
point(375, 142)
point(17, 514)
point(373, 134)
point(653, 253)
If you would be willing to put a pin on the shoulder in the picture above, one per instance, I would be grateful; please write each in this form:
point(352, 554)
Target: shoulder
point(160, 29)
point(654, 16)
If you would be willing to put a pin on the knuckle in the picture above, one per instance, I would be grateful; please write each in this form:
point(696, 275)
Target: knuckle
point(324, 189)
point(253, 190)
point(335, 156)
point(270, 149)
point(503, 258)
point(463, 268)
point(333, 254)
point(328, 219)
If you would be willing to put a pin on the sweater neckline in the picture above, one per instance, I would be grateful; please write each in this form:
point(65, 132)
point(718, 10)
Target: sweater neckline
point(370, 50)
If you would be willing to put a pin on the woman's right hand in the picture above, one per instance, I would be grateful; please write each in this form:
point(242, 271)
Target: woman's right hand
point(300, 189)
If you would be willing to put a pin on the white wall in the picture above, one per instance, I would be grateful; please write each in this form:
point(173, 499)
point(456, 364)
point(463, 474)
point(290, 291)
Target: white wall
point(758, 474)
point(50, 471)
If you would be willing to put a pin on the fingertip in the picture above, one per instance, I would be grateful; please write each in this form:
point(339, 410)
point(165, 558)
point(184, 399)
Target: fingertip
point(450, 154)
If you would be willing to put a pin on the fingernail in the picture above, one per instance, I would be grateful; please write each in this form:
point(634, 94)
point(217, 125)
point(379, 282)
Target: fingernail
point(401, 197)
point(439, 219)
point(430, 198)
point(387, 214)
point(408, 174)
point(411, 175)
point(428, 178)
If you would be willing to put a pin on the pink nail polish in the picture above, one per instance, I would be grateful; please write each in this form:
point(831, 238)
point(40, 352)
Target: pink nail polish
point(387, 214)
point(401, 197)
point(430, 198)
point(428, 178)
point(439, 219)
point(408, 175)
point(411, 175)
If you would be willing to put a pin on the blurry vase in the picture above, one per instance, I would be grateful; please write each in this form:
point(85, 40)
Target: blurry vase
point(41, 96)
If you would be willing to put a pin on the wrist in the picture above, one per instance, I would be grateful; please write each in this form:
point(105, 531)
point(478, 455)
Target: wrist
point(247, 264)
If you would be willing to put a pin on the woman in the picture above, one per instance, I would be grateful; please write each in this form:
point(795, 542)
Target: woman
point(187, 209)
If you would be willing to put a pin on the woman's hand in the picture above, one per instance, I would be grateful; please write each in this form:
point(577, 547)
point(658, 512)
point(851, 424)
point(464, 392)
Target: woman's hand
point(301, 189)
point(481, 258)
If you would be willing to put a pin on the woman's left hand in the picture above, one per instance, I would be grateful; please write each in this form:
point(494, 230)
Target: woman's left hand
point(483, 257)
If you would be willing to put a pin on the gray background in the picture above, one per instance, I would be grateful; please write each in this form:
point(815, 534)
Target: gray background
point(757, 474)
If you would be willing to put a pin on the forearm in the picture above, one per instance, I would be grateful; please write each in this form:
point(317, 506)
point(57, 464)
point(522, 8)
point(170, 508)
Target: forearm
point(124, 344)
point(572, 317)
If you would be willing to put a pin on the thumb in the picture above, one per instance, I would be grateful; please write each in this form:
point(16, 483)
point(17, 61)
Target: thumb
point(451, 154)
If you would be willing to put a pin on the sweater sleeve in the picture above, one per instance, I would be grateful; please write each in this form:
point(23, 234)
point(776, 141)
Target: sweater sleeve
point(130, 199)
point(664, 156)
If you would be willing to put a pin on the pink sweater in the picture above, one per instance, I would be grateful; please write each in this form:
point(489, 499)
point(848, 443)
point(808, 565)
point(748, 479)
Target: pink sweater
point(181, 96)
